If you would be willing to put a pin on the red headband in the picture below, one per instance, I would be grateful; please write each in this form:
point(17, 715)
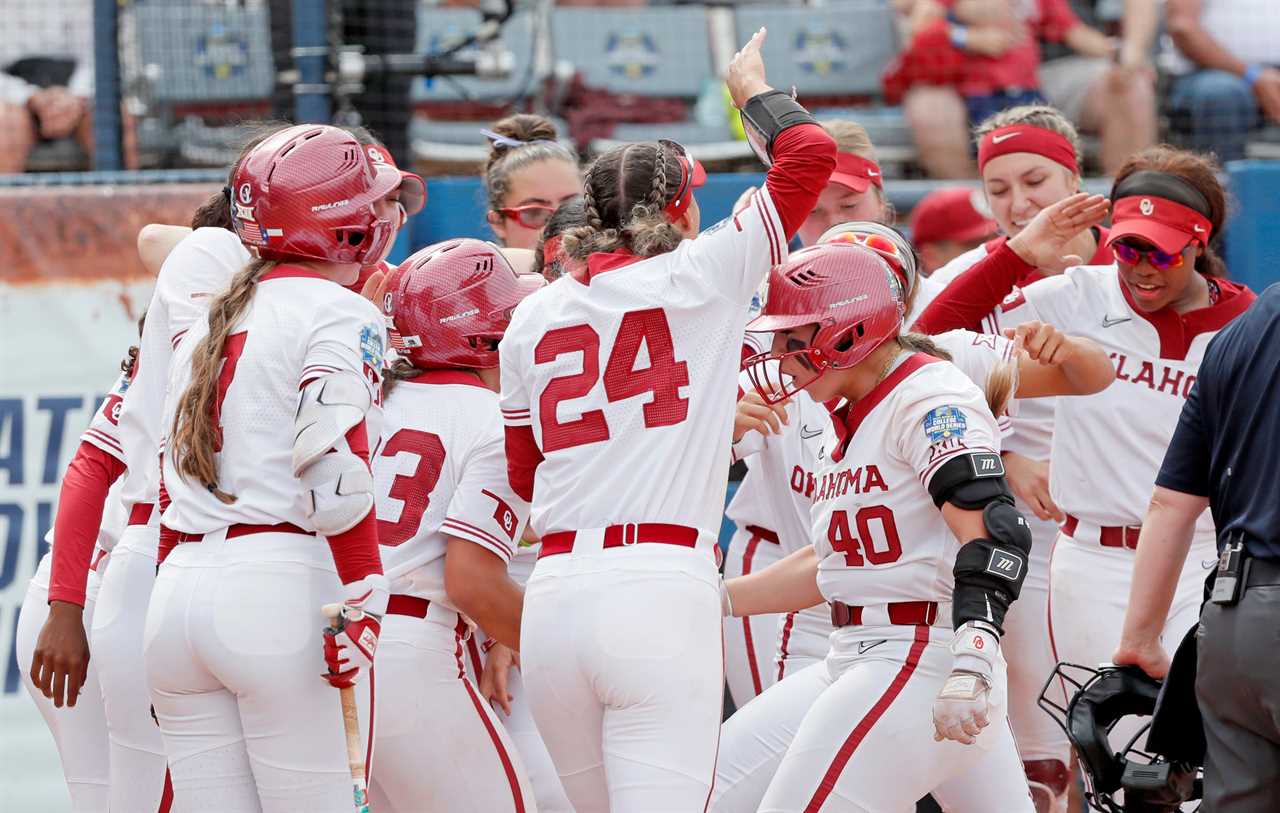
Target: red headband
point(692, 176)
point(856, 172)
point(1165, 224)
point(550, 250)
point(1027, 138)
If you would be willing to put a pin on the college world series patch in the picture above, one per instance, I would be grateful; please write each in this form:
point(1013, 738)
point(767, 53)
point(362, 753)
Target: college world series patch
point(944, 423)
point(371, 346)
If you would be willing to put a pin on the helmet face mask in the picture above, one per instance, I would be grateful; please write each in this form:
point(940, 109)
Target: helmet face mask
point(1099, 699)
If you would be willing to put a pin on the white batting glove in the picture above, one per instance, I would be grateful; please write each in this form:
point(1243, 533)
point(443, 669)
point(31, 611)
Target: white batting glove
point(351, 637)
point(960, 710)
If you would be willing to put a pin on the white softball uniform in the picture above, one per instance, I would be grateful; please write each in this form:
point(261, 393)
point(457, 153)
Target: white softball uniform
point(884, 549)
point(627, 380)
point(200, 266)
point(232, 635)
point(440, 472)
point(1108, 447)
point(79, 732)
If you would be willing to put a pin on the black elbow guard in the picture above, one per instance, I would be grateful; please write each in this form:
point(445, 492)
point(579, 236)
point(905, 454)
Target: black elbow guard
point(970, 480)
point(989, 572)
point(767, 114)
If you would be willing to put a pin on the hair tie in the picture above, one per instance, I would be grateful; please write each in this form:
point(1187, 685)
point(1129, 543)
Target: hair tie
point(499, 140)
point(226, 193)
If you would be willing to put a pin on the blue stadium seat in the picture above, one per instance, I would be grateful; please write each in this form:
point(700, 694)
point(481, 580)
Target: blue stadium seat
point(834, 50)
point(656, 52)
point(204, 53)
point(440, 28)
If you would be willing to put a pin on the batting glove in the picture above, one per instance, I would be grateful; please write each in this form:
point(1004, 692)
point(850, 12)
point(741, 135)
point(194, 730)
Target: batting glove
point(960, 711)
point(351, 637)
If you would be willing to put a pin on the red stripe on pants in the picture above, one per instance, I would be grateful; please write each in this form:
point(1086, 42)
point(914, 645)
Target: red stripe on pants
point(782, 648)
point(868, 720)
point(166, 796)
point(752, 544)
point(510, 770)
point(368, 746)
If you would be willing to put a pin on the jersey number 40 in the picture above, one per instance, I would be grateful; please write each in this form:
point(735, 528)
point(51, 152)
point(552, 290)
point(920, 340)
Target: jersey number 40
point(841, 537)
point(663, 377)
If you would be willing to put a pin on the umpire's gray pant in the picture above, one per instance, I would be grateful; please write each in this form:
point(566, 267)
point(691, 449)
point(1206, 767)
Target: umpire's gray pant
point(1238, 689)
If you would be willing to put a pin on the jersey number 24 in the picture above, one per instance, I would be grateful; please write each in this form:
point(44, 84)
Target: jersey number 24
point(663, 377)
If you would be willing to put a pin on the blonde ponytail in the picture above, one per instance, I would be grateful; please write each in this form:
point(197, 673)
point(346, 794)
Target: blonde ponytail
point(1000, 383)
point(195, 437)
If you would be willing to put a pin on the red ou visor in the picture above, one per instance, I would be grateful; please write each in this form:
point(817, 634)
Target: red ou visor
point(692, 176)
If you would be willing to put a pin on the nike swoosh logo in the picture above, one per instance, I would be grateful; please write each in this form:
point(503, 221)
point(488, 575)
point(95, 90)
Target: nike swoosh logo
point(1005, 137)
point(1107, 321)
point(1199, 228)
point(873, 173)
point(866, 646)
point(1208, 564)
point(806, 433)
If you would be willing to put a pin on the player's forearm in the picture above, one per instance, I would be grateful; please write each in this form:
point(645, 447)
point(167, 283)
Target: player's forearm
point(75, 529)
point(155, 241)
point(1088, 369)
point(477, 583)
point(1163, 545)
point(782, 587)
point(975, 293)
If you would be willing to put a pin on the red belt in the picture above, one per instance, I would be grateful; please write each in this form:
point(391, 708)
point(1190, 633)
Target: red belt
point(617, 536)
point(1109, 536)
point(908, 613)
point(411, 606)
point(244, 530)
point(140, 513)
point(763, 533)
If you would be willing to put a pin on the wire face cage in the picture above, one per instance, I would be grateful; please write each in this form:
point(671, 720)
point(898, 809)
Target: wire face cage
point(1094, 703)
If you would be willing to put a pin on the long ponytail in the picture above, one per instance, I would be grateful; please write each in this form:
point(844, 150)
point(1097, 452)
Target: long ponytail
point(195, 437)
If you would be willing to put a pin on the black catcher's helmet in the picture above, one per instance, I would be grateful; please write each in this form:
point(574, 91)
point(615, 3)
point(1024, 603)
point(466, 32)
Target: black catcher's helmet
point(1099, 698)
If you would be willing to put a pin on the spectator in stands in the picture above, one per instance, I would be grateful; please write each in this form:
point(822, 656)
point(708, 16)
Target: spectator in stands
point(46, 78)
point(856, 188)
point(948, 222)
point(997, 67)
point(1228, 52)
point(529, 174)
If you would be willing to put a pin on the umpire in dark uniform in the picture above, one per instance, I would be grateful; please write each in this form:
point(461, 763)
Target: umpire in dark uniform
point(1225, 454)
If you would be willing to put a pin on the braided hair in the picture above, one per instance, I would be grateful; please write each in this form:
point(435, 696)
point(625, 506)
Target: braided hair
point(625, 194)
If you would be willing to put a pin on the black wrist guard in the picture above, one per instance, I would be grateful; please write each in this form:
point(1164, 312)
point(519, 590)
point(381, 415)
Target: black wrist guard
point(989, 571)
point(767, 114)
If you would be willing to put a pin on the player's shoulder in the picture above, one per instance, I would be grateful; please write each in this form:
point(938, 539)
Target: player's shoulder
point(206, 258)
point(936, 382)
point(961, 342)
point(958, 265)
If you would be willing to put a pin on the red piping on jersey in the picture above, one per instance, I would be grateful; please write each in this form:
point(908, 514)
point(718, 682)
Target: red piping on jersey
point(523, 457)
point(786, 639)
point(517, 797)
point(291, 272)
point(864, 725)
point(1178, 330)
point(84, 490)
point(448, 377)
point(747, 556)
point(980, 288)
point(459, 527)
point(849, 417)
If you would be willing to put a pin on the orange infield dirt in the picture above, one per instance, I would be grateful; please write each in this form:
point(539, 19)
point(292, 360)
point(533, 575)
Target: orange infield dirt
point(70, 233)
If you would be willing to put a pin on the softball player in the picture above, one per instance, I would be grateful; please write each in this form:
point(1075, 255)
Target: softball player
point(1154, 311)
point(448, 524)
point(1029, 158)
point(529, 174)
point(51, 640)
point(617, 394)
point(268, 448)
point(914, 431)
point(755, 738)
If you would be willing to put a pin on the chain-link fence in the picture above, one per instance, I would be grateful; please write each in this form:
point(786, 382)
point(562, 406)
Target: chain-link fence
point(918, 74)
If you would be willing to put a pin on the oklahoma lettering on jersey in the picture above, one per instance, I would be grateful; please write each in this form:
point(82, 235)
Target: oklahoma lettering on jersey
point(1108, 447)
point(199, 267)
point(440, 471)
point(627, 376)
point(878, 535)
point(298, 327)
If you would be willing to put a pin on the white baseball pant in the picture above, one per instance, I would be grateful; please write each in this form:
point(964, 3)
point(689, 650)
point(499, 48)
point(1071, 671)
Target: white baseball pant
point(749, 642)
point(234, 659)
point(623, 666)
point(472, 764)
point(138, 766)
point(866, 744)
point(80, 731)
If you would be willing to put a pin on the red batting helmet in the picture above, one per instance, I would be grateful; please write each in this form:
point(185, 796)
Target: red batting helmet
point(849, 291)
point(310, 192)
point(450, 303)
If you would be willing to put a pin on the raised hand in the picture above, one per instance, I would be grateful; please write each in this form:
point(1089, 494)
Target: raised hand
point(1043, 242)
point(746, 71)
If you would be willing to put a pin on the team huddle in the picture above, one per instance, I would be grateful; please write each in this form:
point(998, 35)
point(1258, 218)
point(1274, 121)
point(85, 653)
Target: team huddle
point(479, 492)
